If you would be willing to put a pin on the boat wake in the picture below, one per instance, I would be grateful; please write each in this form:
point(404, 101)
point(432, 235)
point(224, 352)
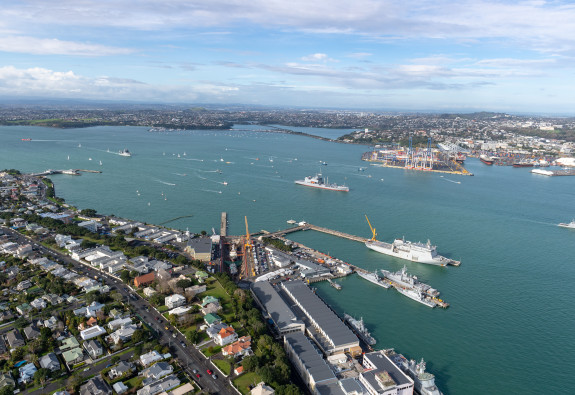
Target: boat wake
point(194, 159)
point(453, 181)
point(210, 190)
point(180, 174)
point(164, 182)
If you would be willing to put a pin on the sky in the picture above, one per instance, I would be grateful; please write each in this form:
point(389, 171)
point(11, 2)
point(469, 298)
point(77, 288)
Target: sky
point(420, 55)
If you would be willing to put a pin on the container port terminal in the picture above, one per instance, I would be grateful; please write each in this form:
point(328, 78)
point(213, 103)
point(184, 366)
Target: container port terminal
point(421, 159)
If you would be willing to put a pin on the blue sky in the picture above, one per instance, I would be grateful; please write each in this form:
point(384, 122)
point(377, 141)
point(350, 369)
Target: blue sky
point(363, 54)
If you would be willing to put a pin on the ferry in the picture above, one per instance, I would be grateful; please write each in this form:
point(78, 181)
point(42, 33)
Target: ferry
point(317, 181)
point(125, 152)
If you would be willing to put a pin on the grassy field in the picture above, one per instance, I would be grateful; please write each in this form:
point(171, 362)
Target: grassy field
point(215, 289)
point(215, 350)
point(224, 366)
point(245, 380)
point(135, 382)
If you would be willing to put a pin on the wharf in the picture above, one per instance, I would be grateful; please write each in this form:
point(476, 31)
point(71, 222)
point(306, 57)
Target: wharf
point(224, 224)
point(307, 226)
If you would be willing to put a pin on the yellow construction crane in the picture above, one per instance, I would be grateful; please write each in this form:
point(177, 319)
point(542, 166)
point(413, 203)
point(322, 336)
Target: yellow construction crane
point(372, 229)
point(248, 249)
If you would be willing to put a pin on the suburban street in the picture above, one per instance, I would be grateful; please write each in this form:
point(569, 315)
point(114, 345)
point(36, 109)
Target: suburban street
point(188, 356)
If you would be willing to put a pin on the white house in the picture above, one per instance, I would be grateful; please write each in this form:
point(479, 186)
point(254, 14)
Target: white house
point(174, 301)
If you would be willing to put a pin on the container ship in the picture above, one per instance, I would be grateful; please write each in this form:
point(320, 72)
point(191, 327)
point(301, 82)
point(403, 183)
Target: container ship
point(486, 159)
point(523, 164)
point(317, 181)
point(360, 329)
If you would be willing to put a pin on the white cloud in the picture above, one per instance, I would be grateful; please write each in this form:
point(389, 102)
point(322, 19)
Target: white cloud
point(42, 46)
point(43, 82)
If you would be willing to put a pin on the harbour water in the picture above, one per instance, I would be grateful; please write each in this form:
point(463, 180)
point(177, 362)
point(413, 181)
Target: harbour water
point(510, 327)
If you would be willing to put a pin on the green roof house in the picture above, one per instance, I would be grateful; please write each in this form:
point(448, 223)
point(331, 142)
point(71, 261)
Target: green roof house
point(211, 319)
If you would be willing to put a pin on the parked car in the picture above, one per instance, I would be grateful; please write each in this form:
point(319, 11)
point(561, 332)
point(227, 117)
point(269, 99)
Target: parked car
point(210, 372)
point(214, 376)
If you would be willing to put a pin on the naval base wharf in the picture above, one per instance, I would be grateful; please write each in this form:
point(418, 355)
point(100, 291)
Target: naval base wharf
point(306, 226)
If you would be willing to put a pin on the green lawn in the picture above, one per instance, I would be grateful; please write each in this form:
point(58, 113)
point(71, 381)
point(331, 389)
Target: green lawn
point(223, 365)
point(163, 309)
point(207, 353)
point(215, 289)
point(135, 382)
point(246, 379)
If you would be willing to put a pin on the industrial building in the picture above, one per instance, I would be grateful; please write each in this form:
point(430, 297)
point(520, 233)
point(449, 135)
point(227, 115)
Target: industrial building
point(383, 376)
point(276, 309)
point(322, 324)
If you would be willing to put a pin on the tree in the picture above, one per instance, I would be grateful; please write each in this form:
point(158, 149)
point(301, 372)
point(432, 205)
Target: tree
point(88, 244)
point(89, 212)
point(18, 354)
point(41, 376)
point(115, 359)
point(288, 389)
point(193, 336)
point(125, 276)
point(251, 363)
point(184, 283)
point(75, 380)
point(138, 336)
point(157, 300)
point(8, 390)
point(21, 322)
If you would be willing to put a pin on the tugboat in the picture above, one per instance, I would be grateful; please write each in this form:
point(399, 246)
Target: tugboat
point(317, 181)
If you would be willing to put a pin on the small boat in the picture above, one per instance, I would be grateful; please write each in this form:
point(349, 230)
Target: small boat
point(323, 163)
point(89, 158)
point(100, 163)
point(79, 145)
point(26, 139)
point(570, 225)
point(225, 183)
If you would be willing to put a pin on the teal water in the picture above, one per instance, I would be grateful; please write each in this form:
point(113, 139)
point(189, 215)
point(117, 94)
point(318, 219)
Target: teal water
point(510, 327)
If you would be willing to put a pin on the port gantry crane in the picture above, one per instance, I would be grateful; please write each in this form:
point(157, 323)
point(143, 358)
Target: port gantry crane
point(372, 230)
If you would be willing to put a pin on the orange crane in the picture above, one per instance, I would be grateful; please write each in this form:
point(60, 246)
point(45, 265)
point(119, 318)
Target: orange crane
point(248, 268)
point(372, 229)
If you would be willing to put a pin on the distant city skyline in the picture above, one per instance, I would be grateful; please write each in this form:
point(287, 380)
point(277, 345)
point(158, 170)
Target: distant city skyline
point(514, 56)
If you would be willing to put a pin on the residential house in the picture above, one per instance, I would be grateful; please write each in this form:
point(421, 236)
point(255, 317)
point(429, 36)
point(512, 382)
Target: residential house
point(201, 276)
point(120, 369)
point(119, 322)
point(210, 299)
point(156, 372)
point(6, 380)
point(73, 356)
point(149, 291)
point(15, 339)
point(145, 279)
point(149, 358)
point(195, 289)
point(241, 347)
point(38, 304)
point(23, 285)
point(92, 332)
point(163, 385)
point(239, 370)
point(94, 348)
point(120, 387)
point(226, 336)
point(174, 301)
point(124, 333)
point(96, 386)
point(89, 311)
point(262, 389)
point(210, 308)
point(24, 308)
point(31, 332)
point(27, 373)
point(211, 319)
point(50, 361)
point(51, 323)
point(213, 330)
point(69, 343)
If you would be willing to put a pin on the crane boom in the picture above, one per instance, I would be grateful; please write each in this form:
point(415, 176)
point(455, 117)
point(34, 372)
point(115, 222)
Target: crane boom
point(372, 229)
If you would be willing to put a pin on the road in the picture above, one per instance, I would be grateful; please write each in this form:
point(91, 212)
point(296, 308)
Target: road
point(189, 357)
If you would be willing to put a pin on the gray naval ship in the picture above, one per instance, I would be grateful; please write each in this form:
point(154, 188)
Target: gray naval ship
point(424, 381)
